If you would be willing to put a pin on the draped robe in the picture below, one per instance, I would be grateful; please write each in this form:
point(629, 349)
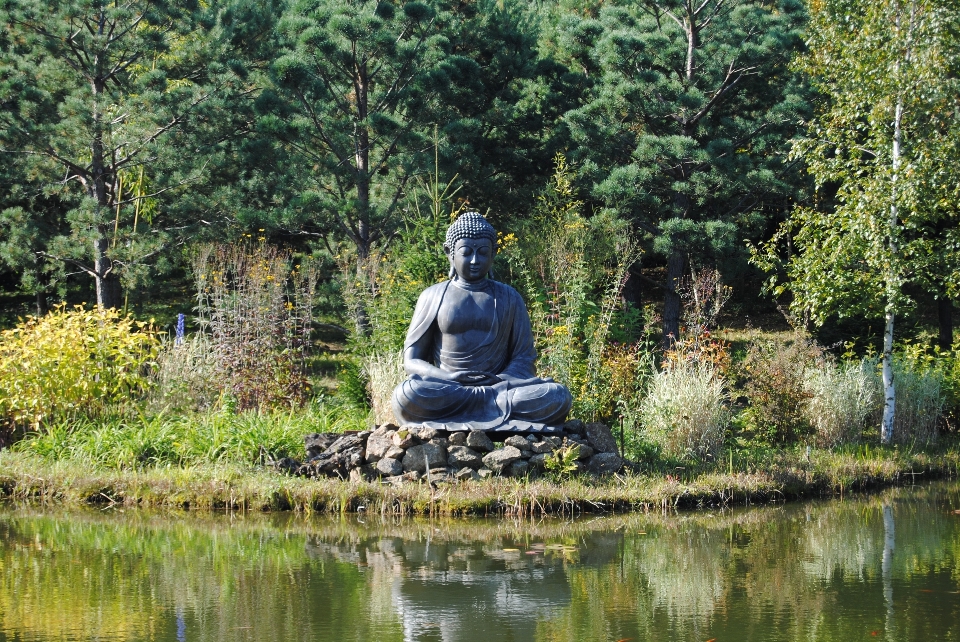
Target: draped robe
point(526, 403)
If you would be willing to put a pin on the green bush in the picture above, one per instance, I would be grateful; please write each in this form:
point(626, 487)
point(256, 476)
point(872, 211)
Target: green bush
point(919, 405)
point(685, 412)
point(72, 362)
point(774, 376)
point(571, 269)
point(187, 376)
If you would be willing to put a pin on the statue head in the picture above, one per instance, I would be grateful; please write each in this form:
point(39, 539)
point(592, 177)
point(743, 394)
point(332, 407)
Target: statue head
point(470, 245)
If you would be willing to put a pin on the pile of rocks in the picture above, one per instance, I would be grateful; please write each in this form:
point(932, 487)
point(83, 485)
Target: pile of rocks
point(396, 455)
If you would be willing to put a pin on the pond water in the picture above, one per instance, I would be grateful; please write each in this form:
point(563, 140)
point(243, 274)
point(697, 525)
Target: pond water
point(883, 567)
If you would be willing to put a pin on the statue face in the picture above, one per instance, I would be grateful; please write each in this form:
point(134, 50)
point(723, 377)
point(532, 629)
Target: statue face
point(472, 259)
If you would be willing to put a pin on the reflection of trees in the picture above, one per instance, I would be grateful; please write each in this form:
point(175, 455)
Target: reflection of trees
point(815, 571)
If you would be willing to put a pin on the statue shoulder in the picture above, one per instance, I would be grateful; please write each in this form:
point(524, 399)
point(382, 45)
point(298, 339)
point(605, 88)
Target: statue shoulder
point(505, 291)
point(435, 290)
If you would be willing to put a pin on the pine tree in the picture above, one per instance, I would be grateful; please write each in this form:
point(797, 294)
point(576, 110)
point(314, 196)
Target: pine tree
point(351, 106)
point(685, 134)
point(94, 95)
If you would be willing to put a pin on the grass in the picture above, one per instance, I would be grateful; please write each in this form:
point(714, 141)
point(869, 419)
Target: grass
point(749, 477)
point(141, 441)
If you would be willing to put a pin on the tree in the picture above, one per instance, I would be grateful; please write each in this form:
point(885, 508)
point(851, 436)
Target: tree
point(502, 109)
point(351, 105)
point(685, 134)
point(886, 139)
point(93, 94)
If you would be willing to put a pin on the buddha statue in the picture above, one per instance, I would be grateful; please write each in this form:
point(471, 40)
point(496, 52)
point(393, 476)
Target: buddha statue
point(469, 352)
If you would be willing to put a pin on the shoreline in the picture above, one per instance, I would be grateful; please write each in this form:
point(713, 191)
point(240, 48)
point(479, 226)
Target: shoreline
point(790, 477)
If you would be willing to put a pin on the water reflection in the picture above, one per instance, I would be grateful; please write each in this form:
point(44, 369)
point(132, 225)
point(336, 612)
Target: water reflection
point(884, 567)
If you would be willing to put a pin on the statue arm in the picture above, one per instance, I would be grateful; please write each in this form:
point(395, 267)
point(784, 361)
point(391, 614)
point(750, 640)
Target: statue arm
point(523, 355)
point(415, 362)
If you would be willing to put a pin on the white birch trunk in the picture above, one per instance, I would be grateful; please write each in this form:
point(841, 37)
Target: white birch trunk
point(892, 286)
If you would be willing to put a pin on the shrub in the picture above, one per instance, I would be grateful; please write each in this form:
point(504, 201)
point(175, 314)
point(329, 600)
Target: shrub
point(72, 362)
point(571, 270)
point(919, 405)
point(186, 377)
point(842, 399)
point(384, 372)
point(685, 412)
point(774, 376)
point(257, 308)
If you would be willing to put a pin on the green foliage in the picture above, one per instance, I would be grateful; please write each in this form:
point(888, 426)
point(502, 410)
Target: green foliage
point(685, 127)
point(892, 220)
point(98, 102)
point(562, 462)
point(72, 363)
point(185, 440)
point(571, 270)
point(351, 94)
point(774, 376)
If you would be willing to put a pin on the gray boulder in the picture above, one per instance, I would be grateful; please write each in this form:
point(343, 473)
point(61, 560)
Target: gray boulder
point(605, 463)
point(467, 473)
point(575, 427)
point(348, 441)
point(393, 453)
point(460, 456)
point(517, 442)
point(538, 461)
point(600, 438)
point(404, 439)
point(519, 468)
point(457, 439)
point(378, 444)
point(501, 458)
point(389, 467)
point(419, 458)
point(424, 433)
point(479, 441)
point(315, 443)
point(586, 452)
point(542, 447)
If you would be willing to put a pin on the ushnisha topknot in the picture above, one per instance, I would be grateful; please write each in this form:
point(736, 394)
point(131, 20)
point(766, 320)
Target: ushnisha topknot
point(470, 225)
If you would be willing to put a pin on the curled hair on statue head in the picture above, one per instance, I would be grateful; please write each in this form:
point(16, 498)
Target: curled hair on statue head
point(469, 225)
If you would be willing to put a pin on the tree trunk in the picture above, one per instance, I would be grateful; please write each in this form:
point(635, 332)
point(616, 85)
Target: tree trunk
point(109, 294)
point(891, 287)
point(361, 86)
point(945, 318)
point(43, 306)
point(671, 301)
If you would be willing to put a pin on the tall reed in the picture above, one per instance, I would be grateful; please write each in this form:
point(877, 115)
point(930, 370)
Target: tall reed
point(256, 304)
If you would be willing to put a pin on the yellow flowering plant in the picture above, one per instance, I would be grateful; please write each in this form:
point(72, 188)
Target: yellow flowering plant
point(72, 361)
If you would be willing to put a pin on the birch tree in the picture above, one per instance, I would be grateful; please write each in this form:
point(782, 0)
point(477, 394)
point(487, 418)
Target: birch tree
point(886, 140)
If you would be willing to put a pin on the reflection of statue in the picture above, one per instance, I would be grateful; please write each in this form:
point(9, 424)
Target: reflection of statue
point(469, 350)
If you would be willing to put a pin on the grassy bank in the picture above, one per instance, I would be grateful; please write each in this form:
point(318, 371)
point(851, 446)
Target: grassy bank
point(754, 477)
